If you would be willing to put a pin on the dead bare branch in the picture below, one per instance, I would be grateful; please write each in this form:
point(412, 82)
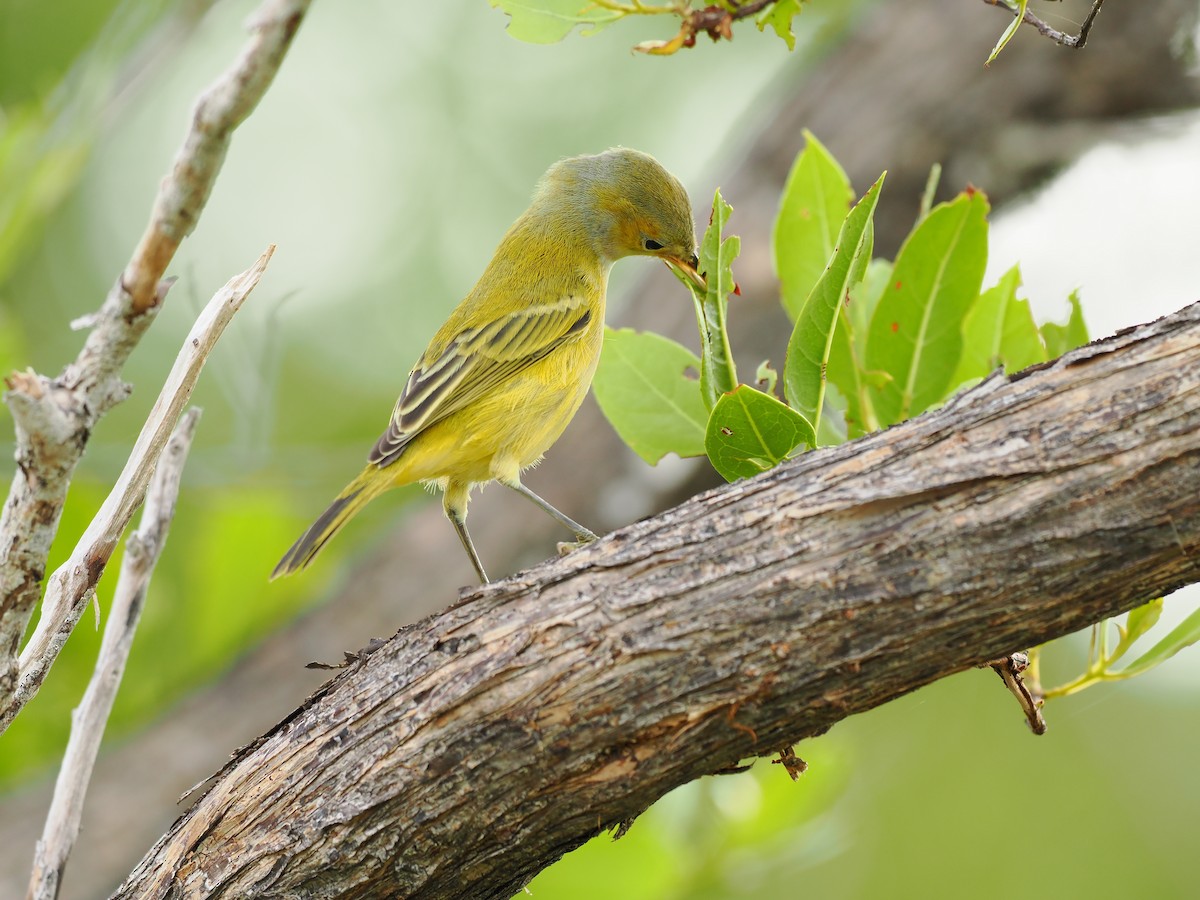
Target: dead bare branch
point(91, 716)
point(55, 416)
point(72, 585)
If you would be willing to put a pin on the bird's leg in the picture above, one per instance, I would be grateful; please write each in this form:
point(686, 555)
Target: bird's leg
point(454, 504)
point(584, 535)
point(461, 527)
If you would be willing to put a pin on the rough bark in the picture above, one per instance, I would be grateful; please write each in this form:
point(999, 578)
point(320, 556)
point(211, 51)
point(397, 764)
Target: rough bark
point(478, 745)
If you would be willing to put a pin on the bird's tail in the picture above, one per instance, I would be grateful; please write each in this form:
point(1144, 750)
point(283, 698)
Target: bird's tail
point(370, 483)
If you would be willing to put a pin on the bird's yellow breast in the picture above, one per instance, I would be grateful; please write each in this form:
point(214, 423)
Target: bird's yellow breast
point(512, 427)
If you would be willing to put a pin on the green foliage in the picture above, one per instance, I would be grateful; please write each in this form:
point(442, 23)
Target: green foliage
point(766, 377)
point(916, 330)
point(779, 16)
point(647, 386)
point(1102, 662)
point(874, 342)
point(1061, 338)
point(816, 198)
point(718, 374)
point(1019, 7)
point(691, 843)
point(1183, 635)
point(999, 331)
point(750, 432)
point(549, 21)
point(847, 370)
point(804, 376)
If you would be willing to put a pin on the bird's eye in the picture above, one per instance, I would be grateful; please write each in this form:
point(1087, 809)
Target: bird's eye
point(651, 244)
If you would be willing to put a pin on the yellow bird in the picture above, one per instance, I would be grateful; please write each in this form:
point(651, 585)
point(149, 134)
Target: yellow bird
point(507, 371)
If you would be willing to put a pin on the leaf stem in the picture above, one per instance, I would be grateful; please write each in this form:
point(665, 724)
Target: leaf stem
point(638, 8)
point(931, 186)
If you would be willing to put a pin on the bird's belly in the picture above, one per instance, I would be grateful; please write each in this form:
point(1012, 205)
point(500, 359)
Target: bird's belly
point(510, 429)
point(539, 409)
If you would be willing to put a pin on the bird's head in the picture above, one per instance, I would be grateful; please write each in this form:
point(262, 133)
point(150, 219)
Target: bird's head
point(632, 206)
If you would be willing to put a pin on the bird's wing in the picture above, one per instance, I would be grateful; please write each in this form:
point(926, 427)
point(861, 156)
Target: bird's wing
point(473, 363)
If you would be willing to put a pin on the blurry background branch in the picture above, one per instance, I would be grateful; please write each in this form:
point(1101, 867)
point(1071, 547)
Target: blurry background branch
point(89, 719)
point(541, 710)
point(54, 417)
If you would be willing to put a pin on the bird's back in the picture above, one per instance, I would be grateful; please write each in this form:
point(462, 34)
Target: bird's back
point(547, 287)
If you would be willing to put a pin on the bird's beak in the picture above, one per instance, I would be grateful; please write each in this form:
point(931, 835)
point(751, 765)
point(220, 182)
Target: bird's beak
point(686, 270)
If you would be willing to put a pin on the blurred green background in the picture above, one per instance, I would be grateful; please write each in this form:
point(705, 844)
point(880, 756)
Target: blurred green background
point(396, 145)
point(385, 191)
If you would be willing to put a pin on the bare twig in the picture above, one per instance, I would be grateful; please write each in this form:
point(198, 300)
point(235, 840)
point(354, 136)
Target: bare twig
point(1010, 669)
point(1076, 41)
point(71, 587)
point(748, 9)
point(87, 724)
point(55, 416)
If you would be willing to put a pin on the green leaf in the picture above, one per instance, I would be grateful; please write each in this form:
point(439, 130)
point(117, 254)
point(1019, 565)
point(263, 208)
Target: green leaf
point(779, 16)
point(1183, 635)
point(983, 328)
point(1020, 342)
point(1137, 623)
point(931, 186)
point(864, 298)
point(999, 331)
point(1009, 31)
point(832, 430)
point(645, 390)
point(1061, 338)
point(750, 432)
point(915, 336)
point(718, 374)
point(845, 374)
point(847, 355)
point(765, 376)
point(549, 21)
point(815, 201)
point(804, 374)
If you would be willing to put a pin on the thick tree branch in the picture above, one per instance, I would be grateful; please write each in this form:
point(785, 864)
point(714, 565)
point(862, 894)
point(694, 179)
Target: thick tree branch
point(142, 551)
point(55, 416)
point(477, 746)
point(73, 584)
